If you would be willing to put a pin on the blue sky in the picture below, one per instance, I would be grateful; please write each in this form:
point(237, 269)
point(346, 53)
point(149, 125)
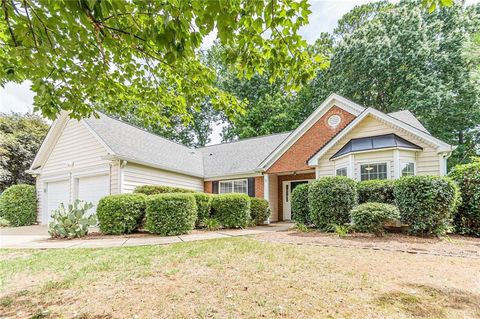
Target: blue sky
point(324, 17)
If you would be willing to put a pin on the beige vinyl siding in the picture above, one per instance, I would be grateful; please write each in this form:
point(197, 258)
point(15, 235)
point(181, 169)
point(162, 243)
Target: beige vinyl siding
point(136, 175)
point(427, 160)
point(78, 145)
point(115, 178)
point(273, 196)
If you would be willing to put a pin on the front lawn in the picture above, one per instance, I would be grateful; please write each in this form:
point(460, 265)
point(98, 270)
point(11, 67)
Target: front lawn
point(236, 278)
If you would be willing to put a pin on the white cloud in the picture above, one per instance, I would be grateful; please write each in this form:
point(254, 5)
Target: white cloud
point(16, 98)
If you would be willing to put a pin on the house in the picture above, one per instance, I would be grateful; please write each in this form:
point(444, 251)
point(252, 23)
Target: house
point(94, 157)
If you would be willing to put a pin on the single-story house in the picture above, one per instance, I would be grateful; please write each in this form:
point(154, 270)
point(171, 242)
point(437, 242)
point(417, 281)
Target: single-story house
point(94, 157)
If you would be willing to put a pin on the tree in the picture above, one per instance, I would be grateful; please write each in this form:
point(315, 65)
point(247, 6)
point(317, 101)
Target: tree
point(86, 55)
point(20, 138)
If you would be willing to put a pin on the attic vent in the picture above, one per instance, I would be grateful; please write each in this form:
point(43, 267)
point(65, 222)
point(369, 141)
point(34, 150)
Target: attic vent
point(333, 121)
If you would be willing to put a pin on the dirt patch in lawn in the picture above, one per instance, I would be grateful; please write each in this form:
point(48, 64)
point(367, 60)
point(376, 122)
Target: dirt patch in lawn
point(455, 245)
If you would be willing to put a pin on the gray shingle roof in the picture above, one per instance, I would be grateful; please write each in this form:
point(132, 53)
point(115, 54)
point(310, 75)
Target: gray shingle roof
point(137, 144)
point(407, 117)
point(238, 157)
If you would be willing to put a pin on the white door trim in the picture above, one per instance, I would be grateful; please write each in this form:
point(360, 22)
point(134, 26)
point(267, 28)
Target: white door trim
point(287, 210)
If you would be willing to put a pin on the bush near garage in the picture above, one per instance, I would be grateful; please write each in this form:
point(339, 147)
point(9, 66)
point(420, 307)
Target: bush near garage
point(71, 221)
point(203, 202)
point(18, 205)
point(160, 189)
point(121, 214)
point(467, 217)
point(170, 214)
point(299, 203)
point(426, 203)
point(330, 200)
point(378, 191)
point(371, 217)
point(259, 210)
point(232, 210)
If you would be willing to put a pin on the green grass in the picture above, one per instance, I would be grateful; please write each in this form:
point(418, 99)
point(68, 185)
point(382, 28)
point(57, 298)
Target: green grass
point(231, 278)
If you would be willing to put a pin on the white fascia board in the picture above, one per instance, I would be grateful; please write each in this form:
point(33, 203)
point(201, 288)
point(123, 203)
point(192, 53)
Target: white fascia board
point(441, 146)
point(134, 160)
point(333, 99)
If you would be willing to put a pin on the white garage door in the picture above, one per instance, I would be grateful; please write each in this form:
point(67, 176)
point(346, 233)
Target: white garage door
point(57, 193)
point(91, 189)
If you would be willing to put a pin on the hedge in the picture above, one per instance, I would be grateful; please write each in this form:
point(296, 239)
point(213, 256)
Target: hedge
point(259, 210)
point(121, 214)
point(18, 205)
point(426, 203)
point(160, 189)
point(378, 191)
point(170, 214)
point(467, 217)
point(330, 200)
point(232, 210)
point(371, 217)
point(299, 204)
point(203, 202)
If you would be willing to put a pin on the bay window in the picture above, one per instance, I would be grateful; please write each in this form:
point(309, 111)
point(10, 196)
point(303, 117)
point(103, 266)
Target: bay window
point(373, 171)
point(407, 168)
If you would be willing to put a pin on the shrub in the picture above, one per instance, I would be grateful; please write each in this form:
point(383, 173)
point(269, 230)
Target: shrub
point(467, 217)
point(259, 210)
point(378, 191)
point(71, 221)
point(160, 189)
point(232, 210)
point(426, 203)
point(371, 217)
point(171, 214)
point(211, 224)
point(121, 214)
point(330, 200)
point(4, 222)
point(299, 203)
point(18, 205)
point(204, 202)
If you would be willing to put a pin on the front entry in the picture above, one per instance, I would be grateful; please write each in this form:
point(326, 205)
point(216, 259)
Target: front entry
point(288, 187)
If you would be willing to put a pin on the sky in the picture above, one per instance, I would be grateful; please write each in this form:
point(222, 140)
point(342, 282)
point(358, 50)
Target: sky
point(324, 17)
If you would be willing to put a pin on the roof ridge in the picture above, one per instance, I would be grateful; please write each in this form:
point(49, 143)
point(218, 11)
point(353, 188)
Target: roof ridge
point(245, 139)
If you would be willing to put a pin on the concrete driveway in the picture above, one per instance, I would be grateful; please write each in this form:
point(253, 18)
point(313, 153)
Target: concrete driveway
point(37, 237)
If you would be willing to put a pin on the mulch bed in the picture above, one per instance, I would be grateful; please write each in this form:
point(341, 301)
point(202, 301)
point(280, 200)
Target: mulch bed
point(454, 245)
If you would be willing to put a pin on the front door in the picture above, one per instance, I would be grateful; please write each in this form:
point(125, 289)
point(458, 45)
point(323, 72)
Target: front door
point(288, 188)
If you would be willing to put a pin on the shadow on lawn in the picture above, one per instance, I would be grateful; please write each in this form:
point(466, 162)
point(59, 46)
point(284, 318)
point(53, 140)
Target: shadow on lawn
point(432, 302)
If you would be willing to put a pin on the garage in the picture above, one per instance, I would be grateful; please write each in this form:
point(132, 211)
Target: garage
point(57, 192)
point(92, 188)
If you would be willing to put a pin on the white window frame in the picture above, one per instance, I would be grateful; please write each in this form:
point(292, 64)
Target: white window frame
point(342, 167)
point(359, 168)
point(407, 162)
point(232, 181)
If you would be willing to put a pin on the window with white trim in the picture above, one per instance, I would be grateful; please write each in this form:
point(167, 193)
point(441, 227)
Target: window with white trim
point(407, 168)
point(373, 171)
point(341, 171)
point(233, 186)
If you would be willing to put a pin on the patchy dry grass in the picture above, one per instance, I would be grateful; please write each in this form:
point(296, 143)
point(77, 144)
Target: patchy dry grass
point(236, 278)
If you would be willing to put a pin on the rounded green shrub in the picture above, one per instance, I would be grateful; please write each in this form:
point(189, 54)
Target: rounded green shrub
point(170, 214)
point(372, 217)
point(299, 203)
point(18, 205)
point(160, 189)
point(330, 200)
point(232, 210)
point(204, 202)
point(121, 214)
point(259, 210)
point(378, 191)
point(426, 203)
point(467, 217)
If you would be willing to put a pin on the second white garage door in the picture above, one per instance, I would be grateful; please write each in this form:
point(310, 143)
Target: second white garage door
point(91, 189)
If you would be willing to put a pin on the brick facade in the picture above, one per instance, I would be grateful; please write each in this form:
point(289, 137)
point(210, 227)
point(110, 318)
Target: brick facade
point(259, 186)
point(208, 187)
point(283, 178)
point(296, 157)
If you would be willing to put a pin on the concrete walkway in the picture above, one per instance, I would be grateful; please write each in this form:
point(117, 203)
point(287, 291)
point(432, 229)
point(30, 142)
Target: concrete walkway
point(37, 237)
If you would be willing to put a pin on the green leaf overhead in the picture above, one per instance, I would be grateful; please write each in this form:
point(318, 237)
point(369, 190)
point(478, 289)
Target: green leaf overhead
point(117, 55)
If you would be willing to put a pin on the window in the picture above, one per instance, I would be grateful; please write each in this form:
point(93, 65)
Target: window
point(373, 171)
point(341, 171)
point(235, 186)
point(408, 169)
